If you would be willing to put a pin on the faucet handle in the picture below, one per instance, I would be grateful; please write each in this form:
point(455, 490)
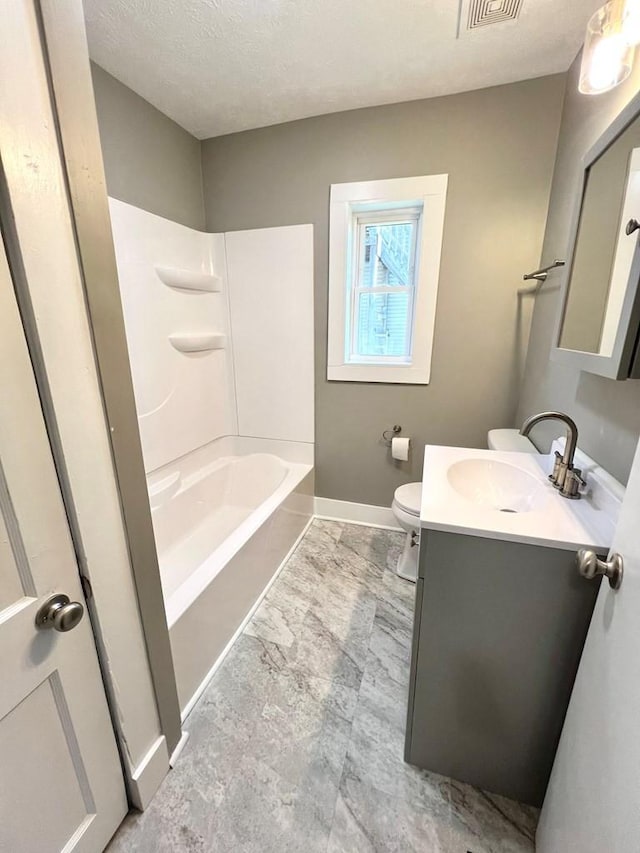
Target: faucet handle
point(572, 483)
point(557, 466)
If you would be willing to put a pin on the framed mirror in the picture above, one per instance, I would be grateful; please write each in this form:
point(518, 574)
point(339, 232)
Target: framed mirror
point(598, 326)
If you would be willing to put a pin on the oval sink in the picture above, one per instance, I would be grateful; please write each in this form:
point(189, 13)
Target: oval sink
point(496, 485)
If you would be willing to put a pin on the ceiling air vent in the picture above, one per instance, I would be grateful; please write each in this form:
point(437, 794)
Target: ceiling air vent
point(481, 13)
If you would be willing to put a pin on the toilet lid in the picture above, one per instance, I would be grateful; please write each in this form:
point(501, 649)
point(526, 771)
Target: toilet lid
point(409, 497)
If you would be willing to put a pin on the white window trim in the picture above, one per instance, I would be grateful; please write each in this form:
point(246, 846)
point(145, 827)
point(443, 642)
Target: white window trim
point(428, 190)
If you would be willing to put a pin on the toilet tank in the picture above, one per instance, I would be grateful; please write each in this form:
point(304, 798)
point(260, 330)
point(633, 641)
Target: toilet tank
point(509, 439)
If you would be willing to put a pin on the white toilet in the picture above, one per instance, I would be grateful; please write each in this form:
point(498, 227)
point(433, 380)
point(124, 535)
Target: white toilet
point(406, 501)
point(406, 508)
point(509, 439)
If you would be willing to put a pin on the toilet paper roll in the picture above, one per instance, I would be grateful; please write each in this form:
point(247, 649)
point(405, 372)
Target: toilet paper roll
point(400, 448)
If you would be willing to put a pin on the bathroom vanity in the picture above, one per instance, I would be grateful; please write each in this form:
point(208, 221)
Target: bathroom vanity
point(501, 615)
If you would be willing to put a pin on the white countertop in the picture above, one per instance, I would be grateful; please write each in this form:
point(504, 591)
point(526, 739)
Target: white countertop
point(556, 522)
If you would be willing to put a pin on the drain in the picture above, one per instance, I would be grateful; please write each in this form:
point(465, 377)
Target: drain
point(506, 509)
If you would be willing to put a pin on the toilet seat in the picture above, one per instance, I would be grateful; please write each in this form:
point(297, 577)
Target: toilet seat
point(409, 497)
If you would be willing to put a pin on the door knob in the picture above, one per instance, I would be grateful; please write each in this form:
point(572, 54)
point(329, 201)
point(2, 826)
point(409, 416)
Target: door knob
point(590, 566)
point(59, 612)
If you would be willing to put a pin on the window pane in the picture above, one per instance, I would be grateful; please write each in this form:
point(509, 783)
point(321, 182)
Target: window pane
point(382, 324)
point(387, 254)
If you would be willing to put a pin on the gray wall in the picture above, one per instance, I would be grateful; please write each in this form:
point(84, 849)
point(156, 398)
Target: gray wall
point(607, 412)
point(498, 147)
point(149, 160)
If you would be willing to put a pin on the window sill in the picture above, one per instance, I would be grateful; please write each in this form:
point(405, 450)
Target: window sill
point(393, 374)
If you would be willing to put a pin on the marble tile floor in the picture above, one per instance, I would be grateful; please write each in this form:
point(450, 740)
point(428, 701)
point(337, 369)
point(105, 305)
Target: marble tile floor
point(297, 743)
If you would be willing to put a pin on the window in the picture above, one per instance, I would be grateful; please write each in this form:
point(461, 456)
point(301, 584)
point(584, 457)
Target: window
point(385, 241)
point(383, 288)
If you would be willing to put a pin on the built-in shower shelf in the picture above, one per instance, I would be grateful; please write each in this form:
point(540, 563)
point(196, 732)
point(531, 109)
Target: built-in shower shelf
point(180, 279)
point(198, 342)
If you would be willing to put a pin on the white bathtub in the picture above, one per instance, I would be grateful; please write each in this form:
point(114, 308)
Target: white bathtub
point(223, 524)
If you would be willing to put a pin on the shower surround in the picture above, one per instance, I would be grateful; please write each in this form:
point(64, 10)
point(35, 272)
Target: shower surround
point(220, 336)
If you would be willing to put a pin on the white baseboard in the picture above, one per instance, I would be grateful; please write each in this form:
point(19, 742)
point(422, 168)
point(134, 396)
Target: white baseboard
point(188, 708)
point(179, 747)
point(366, 514)
point(149, 773)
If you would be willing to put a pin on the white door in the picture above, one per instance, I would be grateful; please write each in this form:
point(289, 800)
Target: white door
point(61, 784)
point(592, 803)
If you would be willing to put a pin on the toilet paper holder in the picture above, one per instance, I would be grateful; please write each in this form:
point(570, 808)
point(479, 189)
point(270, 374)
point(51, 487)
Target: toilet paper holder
point(388, 434)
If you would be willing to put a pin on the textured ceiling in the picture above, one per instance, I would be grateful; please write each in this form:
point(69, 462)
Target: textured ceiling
point(219, 66)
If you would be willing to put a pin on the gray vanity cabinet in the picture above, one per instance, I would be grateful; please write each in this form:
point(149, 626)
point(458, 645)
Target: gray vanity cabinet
point(498, 633)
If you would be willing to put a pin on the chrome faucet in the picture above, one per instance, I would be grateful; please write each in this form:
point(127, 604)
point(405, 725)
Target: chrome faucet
point(565, 477)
